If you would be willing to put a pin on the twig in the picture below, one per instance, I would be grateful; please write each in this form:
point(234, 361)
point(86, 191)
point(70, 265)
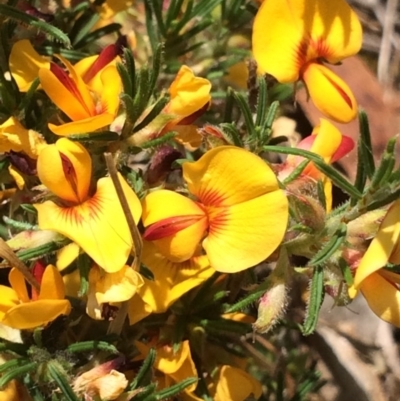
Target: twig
point(7, 253)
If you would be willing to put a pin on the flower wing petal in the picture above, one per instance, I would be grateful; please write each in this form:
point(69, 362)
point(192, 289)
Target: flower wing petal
point(243, 235)
point(35, 314)
point(52, 286)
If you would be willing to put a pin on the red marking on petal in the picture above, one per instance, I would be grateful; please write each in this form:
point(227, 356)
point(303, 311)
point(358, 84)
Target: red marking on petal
point(342, 93)
point(217, 219)
point(107, 55)
point(170, 226)
point(37, 272)
point(192, 117)
point(69, 84)
point(210, 197)
point(320, 50)
point(345, 147)
point(70, 173)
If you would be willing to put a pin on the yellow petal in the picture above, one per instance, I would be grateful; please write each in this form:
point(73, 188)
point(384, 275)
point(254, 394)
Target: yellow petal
point(188, 136)
point(84, 126)
point(111, 7)
point(70, 94)
point(18, 177)
point(36, 313)
point(303, 30)
point(72, 284)
point(380, 249)
point(188, 93)
point(163, 207)
point(10, 392)
point(276, 49)
point(171, 280)
point(115, 287)
point(330, 94)
point(66, 168)
point(327, 141)
point(383, 298)
point(66, 255)
point(112, 87)
point(98, 225)
point(52, 286)
point(9, 298)
point(17, 282)
point(13, 136)
point(109, 386)
point(25, 63)
point(138, 309)
point(236, 385)
point(228, 175)
point(245, 234)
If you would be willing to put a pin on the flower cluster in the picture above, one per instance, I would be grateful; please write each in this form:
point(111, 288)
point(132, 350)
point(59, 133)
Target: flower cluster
point(147, 211)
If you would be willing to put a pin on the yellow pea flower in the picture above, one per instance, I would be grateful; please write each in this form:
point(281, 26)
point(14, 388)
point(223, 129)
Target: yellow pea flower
point(95, 221)
point(190, 97)
point(380, 287)
point(239, 216)
point(326, 141)
point(111, 288)
point(19, 311)
point(292, 39)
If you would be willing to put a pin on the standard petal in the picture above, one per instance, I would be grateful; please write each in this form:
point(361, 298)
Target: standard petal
point(85, 126)
point(278, 32)
point(25, 63)
point(138, 309)
point(380, 249)
point(244, 235)
point(66, 168)
point(98, 225)
point(52, 286)
point(188, 93)
point(163, 206)
point(383, 298)
point(330, 94)
point(334, 28)
point(228, 175)
point(36, 314)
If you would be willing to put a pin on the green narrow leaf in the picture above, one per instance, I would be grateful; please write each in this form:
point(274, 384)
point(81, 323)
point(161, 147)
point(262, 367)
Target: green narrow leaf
point(170, 392)
point(156, 7)
point(172, 13)
point(361, 176)
point(144, 369)
point(246, 113)
point(329, 249)
point(19, 225)
point(129, 110)
point(98, 34)
point(385, 169)
point(328, 170)
point(296, 172)
point(204, 8)
point(131, 69)
point(16, 371)
point(321, 193)
point(27, 19)
point(42, 250)
point(84, 265)
point(232, 132)
point(159, 141)
point(185, 18)
point(383, 202)
point(346, 271)
point(154, 112)
point(55, 372)
point(85, 346)
point(97, 136)
point(126, 79)
point(83, 25)
point(155, 71)
point(366, 156)
point(150, 26)
point(262, 101)
point(315, 301)
point(25, 104)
